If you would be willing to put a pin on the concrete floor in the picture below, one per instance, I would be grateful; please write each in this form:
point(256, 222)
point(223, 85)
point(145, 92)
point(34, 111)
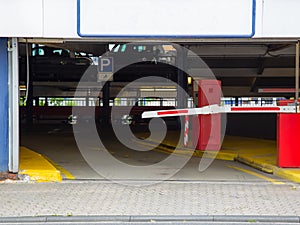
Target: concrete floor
point(57, 142)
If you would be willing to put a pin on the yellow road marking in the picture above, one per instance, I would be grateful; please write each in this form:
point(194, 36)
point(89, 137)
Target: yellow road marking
point(274, 181)
point(67, 174)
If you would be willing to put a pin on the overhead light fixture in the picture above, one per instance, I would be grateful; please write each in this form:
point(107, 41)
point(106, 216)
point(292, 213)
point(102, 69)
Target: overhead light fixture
point(157, 89)
point(147, 89)
point(165, 89)
point(22, 88)
point(189, 80)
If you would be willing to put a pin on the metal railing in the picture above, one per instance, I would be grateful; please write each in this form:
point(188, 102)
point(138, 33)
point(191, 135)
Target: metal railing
point(92, 101)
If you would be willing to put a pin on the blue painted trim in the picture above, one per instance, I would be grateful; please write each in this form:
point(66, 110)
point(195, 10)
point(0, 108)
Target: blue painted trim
point(3, 105)
point(253, 18)
point(78, 19)
point(169, 36)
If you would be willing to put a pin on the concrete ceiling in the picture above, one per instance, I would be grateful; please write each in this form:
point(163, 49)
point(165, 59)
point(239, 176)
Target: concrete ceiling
point(244, 66)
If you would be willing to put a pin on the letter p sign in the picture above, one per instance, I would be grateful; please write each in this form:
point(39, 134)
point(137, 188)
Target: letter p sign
point(105, 65)
point(105, 69)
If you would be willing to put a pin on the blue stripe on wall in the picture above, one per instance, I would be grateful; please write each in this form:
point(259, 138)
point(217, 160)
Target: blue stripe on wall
point(3, 105)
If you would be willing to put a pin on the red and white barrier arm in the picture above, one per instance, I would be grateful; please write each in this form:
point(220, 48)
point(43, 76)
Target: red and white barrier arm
point(214, 109)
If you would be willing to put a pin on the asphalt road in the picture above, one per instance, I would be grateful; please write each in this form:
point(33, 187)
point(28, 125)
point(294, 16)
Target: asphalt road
point(58, 143)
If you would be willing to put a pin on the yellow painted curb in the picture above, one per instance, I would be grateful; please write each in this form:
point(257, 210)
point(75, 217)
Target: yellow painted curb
point(37, 167)
point(216, 155)
point(65, 172)
point(289, 174)
point(255, 163)
point(196, 153)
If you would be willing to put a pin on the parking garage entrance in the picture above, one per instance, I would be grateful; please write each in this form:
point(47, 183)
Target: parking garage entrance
point(64, 87)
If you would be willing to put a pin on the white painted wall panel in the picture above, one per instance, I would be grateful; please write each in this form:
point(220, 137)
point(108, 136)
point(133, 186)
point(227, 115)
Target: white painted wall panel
point(259, 18)
point(281, 18)
point(60, 18)
point(21, 18)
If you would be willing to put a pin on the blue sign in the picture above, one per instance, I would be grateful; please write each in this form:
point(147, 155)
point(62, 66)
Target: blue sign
point(106, 65)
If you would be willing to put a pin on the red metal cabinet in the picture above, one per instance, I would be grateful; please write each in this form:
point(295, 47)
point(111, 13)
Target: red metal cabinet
point(288, 140)
point(209, 130)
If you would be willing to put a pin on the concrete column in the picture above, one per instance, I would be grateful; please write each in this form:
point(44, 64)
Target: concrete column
point(181, 77)
point(29, 102)
point(181, 81)
point(106, 96)
point(297, 75)
point(3, 105)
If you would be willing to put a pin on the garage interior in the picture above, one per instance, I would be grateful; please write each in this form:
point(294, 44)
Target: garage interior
point(253, 72)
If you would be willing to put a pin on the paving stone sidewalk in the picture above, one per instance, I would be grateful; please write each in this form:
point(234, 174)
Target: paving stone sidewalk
point(168, 198)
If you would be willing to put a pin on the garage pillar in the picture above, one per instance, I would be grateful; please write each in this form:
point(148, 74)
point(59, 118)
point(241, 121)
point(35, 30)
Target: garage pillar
point(106, 96)
point(297, 74)
point(13, 106)
point(3, 105)
point(181, 77)
point(29, 101)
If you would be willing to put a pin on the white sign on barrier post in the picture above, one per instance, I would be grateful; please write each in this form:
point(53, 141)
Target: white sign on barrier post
point(186, 131)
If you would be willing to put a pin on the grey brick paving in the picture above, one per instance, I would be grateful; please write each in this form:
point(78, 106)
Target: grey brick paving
point(167, 198)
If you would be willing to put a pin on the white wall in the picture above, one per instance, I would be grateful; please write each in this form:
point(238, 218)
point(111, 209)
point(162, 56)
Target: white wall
point(38, 18)
point(60, 18)
point(217, 18)
point(21, 18)
point(281, 18)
